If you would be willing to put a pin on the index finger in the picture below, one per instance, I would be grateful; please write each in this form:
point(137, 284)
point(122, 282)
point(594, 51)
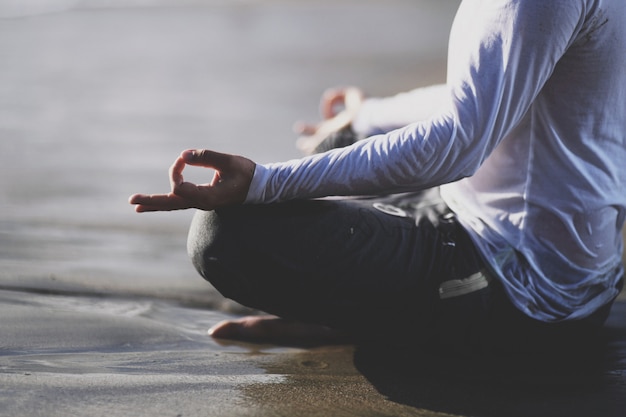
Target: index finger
point(330, 100)
point(206, 158)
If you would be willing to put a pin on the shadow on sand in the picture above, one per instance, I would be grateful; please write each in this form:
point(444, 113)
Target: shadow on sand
point(584, 381)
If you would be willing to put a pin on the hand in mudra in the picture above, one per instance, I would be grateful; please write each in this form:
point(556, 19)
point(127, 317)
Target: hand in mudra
point(229, 186)
point(338, 108)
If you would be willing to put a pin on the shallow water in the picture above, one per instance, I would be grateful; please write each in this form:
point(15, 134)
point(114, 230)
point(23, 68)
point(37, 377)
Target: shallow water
point(97, 99)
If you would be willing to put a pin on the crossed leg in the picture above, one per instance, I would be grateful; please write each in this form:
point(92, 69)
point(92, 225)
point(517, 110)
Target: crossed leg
point(328, 270)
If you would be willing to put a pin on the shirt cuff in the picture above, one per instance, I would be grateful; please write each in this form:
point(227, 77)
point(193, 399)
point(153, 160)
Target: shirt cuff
point(361, 124)
point(256, 192)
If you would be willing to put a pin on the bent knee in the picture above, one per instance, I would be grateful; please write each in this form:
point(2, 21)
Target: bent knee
point(213, 251)
point(204, 241)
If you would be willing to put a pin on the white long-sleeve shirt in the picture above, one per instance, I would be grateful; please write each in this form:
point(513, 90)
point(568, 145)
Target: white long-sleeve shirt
point(529, 143)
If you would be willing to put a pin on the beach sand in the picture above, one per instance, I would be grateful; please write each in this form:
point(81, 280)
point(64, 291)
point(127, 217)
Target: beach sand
point(101, 312)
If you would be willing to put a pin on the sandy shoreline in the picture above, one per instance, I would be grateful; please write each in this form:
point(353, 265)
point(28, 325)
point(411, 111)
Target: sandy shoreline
point(66, 355)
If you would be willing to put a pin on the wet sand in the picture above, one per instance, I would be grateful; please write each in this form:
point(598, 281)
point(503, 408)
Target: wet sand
point(101, 311)
point(112, 355)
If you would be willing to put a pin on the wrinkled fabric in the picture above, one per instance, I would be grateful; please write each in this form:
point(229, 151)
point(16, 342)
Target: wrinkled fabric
point(529, 142)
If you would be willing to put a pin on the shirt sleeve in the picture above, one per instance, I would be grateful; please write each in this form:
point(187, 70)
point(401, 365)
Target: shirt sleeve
point(501, 54)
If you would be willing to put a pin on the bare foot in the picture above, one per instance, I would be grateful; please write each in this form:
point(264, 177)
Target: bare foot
point(276, 330)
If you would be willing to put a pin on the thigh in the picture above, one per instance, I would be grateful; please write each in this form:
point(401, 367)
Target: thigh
point(355, 264)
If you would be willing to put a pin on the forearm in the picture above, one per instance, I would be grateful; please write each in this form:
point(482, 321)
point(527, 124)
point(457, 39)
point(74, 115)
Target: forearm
point(415, 157)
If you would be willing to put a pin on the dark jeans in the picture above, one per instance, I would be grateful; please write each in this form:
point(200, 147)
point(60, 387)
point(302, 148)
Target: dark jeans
point(398, 267)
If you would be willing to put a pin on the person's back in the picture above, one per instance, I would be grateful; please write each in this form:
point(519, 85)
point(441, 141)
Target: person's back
point(553, 193)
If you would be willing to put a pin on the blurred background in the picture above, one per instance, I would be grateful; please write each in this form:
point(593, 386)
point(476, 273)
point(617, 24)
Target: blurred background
point(97, 98)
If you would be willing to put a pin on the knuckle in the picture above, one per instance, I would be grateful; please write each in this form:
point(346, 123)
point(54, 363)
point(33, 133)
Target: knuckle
point(201, 154)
